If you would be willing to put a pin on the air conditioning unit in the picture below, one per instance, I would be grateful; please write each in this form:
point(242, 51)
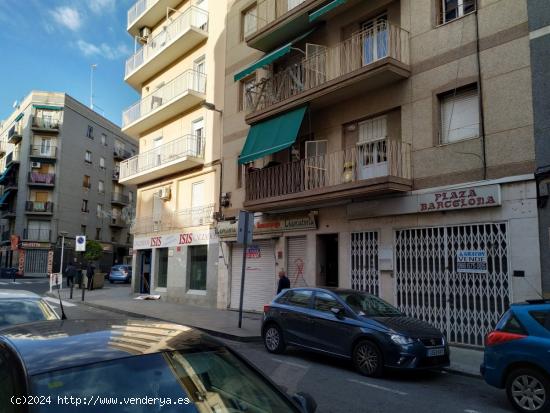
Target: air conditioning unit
point(35, 164)
point(144, 34)
point(165, 193)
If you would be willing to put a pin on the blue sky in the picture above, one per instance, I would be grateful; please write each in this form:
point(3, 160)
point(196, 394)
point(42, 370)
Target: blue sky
point(50, 45)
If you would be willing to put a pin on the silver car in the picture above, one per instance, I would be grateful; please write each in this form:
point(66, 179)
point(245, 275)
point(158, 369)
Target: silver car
point(20, 306)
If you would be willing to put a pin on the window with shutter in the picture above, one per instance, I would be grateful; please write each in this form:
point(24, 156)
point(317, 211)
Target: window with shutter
point(459, 116)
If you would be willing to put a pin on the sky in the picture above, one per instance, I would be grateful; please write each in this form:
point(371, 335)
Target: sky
point(50, 45)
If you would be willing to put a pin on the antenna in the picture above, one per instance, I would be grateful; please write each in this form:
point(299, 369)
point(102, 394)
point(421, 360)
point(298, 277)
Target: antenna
point(92, 69)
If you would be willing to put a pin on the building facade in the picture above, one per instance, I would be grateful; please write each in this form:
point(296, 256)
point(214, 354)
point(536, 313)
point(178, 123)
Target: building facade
point(178, 70)
point(60, 163)
point(387, 148)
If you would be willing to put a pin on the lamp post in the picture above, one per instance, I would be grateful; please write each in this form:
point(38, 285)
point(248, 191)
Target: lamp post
point(63, 234)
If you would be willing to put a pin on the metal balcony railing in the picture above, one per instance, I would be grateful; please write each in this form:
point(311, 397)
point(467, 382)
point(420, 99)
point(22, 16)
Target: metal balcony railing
point(192, 17)
point(168, 220)
point(13, 156)
point(117, 222)
point(137, 10)
point(45, 122)
point(41, 151)
point(267, 11)
point(16, 131)
point(119, 198)
point(381, 158)
point(39, 178)
point(36, 206)
point(325, 64)
point(37, 234)
point(188, 145)
point(3, 146)
point(184, 83)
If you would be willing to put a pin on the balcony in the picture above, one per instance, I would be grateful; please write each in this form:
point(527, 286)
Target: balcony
point(119, 199)
point(3, 148)
point(115, 175)
point(372, 168)
point(172, 157)
point(369, 59)
point(13, 157)
point(45, 123)
point(38, 208)
point(177, 220)
point(186, 30)
point(40, 179)
point(117, 222)
point(15, 134)
point(34, 234)
point(120, 154)
point(9, 212)
point(178, 95)
point(43, 153)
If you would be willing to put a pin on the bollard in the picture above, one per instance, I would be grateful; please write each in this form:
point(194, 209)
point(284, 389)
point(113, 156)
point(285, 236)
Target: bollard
point(83, 287)
point(72, 288)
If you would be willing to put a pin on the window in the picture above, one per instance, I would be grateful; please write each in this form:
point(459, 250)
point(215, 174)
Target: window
point(99, 210)
point(104, 139)
point(90, 132)
point(197, 267)
point(86, 182)
point(300, 298)
point(83, 230)
point(245, 86)
point(513, 325)
point(459, 115)
point(130, 197)
point(98, 234)
point(84, 207)
point(324, 302)
point(249, 21)
point(46, 147)
point(162, 279)
point(102, 162)
point(453, 9)
point(39, 230)
point(88, 157)
point(101, 186)
point(199, 66)
point(198, 132)
point(541, 317)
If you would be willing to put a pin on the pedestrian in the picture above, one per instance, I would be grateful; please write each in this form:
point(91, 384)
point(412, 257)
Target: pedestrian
point(284, 282)
point(90, 275)
point(70, 273)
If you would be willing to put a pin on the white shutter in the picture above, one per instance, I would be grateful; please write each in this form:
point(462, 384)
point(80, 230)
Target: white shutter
point(459, 116)
point(197, 194)
point(373, 129)
point(316, 148)
point(296, 261)
point(260, 285)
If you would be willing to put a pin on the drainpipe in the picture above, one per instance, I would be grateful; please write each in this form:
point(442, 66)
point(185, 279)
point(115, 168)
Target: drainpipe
point(480, 95)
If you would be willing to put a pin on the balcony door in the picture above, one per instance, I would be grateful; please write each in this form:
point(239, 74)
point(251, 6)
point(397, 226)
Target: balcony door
point(157, 151)
point(372, 148)
point(201, 16)
point(315, 164)
point(197, 129)
point(199, 83)
point(46, 147)
point(374, 33)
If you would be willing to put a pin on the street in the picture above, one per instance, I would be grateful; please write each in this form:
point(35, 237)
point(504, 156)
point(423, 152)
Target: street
point(332, 382)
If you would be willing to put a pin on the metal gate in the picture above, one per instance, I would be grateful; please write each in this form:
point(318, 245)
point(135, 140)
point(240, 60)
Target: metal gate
point(465, 306)
point(364, 261)
point(296, 255)
point(36, 262)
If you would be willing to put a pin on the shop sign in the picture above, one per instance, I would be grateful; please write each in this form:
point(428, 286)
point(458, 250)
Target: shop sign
point(21, 261)
point(253, 252)
point(271, 224)
point(50, 262)
point(174, 240)
point(471, 261)
point(460, 198)
point(107, 247)
point(35, 245)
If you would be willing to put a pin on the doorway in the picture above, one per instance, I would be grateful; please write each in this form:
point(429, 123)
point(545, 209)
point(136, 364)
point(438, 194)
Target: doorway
point(327, 262)
point(145, 272)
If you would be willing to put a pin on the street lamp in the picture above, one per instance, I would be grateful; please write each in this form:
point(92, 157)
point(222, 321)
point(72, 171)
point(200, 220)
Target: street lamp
point(63, 234)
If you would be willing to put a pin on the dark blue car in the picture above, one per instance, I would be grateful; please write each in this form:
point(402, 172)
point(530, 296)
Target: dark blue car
point(517, 356)
point(353, 325)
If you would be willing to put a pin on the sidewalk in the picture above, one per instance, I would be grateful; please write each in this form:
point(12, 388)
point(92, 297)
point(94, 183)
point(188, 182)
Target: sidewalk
point(223, 323)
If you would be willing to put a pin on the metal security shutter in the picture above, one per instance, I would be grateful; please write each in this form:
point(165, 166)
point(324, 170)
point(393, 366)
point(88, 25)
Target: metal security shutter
point(296, 253)
point(260, 284)
point(465, 306)
point(364, 262)
point(36, 262)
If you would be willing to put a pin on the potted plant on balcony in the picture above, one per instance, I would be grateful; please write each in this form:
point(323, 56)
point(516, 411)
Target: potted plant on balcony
point(347, 174)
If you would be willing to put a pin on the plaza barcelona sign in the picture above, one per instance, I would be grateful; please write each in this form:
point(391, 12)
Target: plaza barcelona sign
point(460, 198)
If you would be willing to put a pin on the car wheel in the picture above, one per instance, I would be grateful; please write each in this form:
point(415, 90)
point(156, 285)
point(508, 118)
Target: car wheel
point(367, 359)
point(528, 390)
point(273, 339)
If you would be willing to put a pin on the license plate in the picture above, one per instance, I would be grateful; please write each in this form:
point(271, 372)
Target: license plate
point(434, 352)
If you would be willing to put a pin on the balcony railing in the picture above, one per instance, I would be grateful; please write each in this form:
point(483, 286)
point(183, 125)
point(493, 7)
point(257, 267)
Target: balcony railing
point(137, 10)
point(184, 83)
point(35, 206)
point(15, 133)
point(121, 153)
point(33, 234)
point(13, 156)
point(326, 64)
point(3, 147)
point(39, 178)
point(381, 158)
point(115, 175)
point(118, 198)
point(192, 17)
point(39, 151)
point(45, 122)
point(268, 11)
point(188, 145)
point(117, 222)
point(166, 221)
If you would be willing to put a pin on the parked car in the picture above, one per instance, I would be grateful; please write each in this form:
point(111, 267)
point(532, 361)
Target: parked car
point(19, 306)
point(517, 356)
point(354, 325)
point(90, 361)
point(120, 273)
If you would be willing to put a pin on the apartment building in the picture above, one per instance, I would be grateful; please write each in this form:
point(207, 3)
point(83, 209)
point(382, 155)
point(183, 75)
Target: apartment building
point(178, 69)
point(60, 163)
point(387, 147)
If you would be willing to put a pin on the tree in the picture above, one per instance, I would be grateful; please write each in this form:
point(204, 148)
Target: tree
point(94, 251)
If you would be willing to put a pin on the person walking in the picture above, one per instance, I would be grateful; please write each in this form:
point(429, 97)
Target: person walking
point(284, 282)
point(90, 276)
point(70, 273)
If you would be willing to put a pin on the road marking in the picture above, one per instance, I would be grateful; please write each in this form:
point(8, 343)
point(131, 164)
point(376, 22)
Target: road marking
point(56, 301)
point(290, 363)
point(471, 411)
point(9, 283)
point(376, 386)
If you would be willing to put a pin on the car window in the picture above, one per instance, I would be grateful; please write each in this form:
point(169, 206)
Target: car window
point(299, 298)
point(284, 297)
point(6, 384)
point(197, 380)
point(24, 311)
point(368, 305)
point(541, 317)
point(324, 302)
point(512, 325)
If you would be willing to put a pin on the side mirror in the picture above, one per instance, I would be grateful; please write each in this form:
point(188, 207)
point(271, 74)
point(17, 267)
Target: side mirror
point(338, 312)
point(305, 401)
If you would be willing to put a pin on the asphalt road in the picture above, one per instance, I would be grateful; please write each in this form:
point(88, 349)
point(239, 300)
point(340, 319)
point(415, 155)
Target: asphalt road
point(334, 384)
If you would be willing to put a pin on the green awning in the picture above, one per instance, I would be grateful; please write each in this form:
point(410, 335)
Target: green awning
point(272, 135)
point(48, 107)
point(5, 174)
point(19, 117)
point(314, 15)
point(4, 197)
point(264, 61)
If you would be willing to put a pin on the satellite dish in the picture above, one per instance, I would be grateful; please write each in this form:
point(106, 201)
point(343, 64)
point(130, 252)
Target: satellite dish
point(15, 104)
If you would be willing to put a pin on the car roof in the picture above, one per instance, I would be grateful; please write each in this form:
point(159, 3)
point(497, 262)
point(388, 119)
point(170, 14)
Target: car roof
point(328, 289)
point(10, 294)
point(53, 345)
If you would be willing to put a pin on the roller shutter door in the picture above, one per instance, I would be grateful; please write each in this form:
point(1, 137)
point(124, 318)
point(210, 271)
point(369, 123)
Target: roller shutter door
point(296, 264)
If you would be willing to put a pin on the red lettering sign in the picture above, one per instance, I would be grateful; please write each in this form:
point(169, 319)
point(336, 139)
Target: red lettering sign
point(156, 241)
point(186, 238)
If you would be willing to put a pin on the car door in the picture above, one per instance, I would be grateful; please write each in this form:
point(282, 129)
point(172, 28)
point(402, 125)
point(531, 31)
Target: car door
point(542, 333)
point(328, 332)
point(295, 317)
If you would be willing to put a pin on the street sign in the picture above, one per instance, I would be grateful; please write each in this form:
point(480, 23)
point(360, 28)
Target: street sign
point(245, 227)
point(471, 261)
point(80, 243)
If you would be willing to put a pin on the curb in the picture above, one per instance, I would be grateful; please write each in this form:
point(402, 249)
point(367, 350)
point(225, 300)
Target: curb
point(457, 372)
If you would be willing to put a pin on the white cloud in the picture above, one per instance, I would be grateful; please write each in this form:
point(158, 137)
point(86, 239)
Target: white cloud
point(68, 17)
point(103, 50)
point(101, 6)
